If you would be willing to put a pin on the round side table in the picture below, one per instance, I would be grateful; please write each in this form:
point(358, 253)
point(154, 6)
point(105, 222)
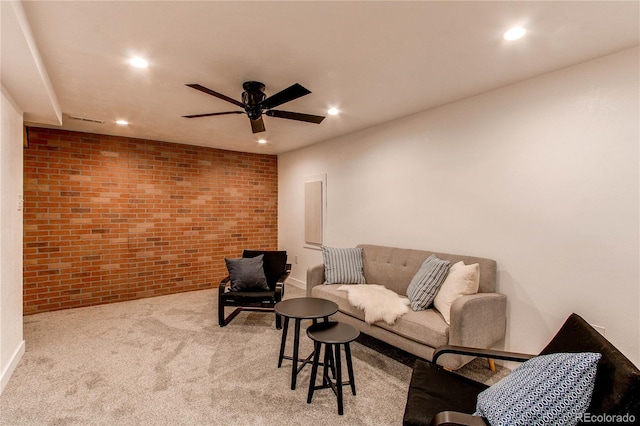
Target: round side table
point(301, 308)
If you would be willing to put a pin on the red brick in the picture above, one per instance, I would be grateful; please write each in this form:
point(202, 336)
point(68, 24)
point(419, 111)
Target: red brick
point(109, 219)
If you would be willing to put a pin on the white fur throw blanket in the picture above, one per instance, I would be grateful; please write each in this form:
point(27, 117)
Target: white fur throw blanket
point(377, 302)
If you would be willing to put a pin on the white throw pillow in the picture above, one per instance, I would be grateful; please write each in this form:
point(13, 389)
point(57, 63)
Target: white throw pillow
point(462, 279)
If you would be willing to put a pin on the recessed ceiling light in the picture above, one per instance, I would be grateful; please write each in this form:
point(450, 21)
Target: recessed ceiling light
point(333, 111)
point(515, 33)
point(263, 141)
point(139, 62)
point(122, 122)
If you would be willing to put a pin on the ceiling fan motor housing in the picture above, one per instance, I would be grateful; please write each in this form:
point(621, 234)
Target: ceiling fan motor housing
point(251, 97)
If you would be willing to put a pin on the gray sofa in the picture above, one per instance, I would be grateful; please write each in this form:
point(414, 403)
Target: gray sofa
point(477, 320)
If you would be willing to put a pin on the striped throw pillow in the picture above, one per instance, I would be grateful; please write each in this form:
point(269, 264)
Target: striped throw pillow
point(426, 282)
point(342, 265)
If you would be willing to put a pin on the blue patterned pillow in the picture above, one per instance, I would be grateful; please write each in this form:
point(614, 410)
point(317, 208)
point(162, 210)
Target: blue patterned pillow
point(426, 282)
point(343, 265)
point(546, 390)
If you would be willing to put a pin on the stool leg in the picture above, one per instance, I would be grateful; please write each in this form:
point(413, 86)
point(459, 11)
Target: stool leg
point(283, 341)
point(296, 345)
point(330, 359)
point(328, 353)
point(314, 371)
point(339, 379)
point(331, 364)
point(347, 353)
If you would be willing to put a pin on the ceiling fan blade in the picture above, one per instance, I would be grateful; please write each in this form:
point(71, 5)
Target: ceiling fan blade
point(257, 126)
point(213, 113)
point(290, 93)
point(309, 118)
point(216, 94)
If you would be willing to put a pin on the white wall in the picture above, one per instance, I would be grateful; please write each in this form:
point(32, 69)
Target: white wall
point(11, 338)
point(542, 176)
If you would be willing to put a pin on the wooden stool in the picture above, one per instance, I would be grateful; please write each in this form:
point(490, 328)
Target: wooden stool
point(332, 335)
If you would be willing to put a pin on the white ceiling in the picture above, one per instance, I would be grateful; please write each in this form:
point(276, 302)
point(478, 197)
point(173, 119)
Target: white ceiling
point(376, 61)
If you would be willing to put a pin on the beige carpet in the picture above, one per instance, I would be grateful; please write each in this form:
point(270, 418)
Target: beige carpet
point(165, 361)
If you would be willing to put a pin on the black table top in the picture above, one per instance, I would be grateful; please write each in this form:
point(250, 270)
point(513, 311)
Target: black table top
point(332, 332)
point(306, 308)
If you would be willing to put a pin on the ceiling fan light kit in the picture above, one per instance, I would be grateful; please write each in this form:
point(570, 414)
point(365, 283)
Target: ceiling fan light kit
point(255, 103)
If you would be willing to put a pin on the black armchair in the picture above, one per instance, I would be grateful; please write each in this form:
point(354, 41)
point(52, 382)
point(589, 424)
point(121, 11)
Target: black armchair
point(276, 270)
point(440, 397)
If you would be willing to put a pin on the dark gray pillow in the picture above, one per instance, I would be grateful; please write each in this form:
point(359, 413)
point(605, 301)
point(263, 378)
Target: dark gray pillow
point(247, 274)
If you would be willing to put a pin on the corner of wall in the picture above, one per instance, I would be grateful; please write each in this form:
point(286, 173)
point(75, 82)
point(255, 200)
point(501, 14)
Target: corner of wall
point(11, 169)
point(11, 366)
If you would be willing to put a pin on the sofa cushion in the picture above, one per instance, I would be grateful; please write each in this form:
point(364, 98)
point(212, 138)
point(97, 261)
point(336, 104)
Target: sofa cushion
point(390, 266)
point(426, 282)
point(331, 292)
point(394, 267)
point(342, 265)
point(378, 302)
point(425, 327)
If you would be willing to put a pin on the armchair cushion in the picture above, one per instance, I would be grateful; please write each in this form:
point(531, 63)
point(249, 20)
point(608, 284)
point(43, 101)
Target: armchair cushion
point(274, 263)
point(432, 390)
point(247, 274)
point(548, 389)
point(616, 385)
point(618, 379)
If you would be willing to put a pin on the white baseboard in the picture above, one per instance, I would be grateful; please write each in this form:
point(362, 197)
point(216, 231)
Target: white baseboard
point(8, 371)
point(297, 283)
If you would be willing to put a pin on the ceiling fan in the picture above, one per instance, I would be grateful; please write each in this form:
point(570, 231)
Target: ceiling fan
point(255, 103)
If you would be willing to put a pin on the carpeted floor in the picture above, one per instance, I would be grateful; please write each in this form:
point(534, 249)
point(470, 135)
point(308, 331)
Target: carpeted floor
point(165, 361)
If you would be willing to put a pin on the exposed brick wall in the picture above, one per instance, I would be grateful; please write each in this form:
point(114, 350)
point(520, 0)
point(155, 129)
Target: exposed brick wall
point(108, 219)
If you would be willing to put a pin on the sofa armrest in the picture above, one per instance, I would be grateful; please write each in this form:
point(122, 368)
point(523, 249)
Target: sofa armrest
point(315, 276)
point(477, 320)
